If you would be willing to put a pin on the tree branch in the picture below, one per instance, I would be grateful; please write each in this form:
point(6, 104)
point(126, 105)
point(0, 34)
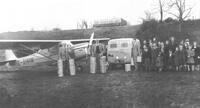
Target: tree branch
point(173, 14)
point(188, 13)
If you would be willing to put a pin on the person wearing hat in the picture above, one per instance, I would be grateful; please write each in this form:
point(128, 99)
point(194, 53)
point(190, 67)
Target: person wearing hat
point(197, 56)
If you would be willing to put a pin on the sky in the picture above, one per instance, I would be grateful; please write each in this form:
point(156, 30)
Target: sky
point(20, 15)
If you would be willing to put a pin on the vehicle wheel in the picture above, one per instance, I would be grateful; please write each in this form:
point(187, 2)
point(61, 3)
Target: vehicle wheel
point(111, 66)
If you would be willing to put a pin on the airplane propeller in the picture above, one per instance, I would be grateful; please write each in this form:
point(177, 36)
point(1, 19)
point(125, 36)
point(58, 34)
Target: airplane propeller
point(91, 39)
point(90, 44)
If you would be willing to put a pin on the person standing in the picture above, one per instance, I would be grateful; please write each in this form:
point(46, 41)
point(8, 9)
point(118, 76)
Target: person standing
point(170, 60)
point(154, 54)
point(159, 61)
point(150, 43)
point(136, 52)
point(176, 58)
point(190, 58)
point(145, 45)
point(166, 53)
point(197, 57)
point(146, 55)
point(154, 41)
point(182, 57)
point(194, 47)
point(172, 44)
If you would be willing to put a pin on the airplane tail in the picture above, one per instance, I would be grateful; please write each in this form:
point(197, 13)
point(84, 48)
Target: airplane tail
point(10, 55)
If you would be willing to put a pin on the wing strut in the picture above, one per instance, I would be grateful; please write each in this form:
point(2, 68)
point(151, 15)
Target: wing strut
point(36, 52)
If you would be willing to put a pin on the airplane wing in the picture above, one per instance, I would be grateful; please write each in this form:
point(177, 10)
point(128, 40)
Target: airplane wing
point(17, 44)
point(7, 61)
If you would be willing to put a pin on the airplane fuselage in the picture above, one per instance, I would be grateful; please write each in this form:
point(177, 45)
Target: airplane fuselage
point(46, 58)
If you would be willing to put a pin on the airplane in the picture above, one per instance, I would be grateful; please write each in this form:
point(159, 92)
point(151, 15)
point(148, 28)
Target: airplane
point(46, 57)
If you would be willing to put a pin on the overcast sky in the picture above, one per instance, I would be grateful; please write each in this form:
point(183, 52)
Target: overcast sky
point(19, 15)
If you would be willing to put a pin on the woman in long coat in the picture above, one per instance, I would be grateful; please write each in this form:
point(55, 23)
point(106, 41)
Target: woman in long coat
point(190, 58)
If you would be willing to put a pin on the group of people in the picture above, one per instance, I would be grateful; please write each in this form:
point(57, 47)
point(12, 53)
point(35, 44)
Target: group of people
point(170, 55)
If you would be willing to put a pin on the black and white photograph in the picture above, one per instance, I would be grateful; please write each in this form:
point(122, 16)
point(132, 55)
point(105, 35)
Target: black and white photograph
point(99, 54)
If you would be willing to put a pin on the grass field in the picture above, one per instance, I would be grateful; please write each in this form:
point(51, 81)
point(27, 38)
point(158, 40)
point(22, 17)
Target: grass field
point(115, 89)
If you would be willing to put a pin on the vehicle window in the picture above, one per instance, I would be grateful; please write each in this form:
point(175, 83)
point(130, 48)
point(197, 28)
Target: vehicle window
point(124, 45)
point(113, 45)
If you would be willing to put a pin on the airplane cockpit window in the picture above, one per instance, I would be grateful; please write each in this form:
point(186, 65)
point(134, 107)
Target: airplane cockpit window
point(124, 45)
point(114, 45)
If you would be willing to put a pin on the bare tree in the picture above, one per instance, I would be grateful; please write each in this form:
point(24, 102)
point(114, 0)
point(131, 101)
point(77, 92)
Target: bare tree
point(161, 6)
point(183, 10)
point(82, 25)
point(148, 16)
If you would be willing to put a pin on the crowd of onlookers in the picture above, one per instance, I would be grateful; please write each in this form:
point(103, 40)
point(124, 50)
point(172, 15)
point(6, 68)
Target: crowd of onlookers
point(170, 55)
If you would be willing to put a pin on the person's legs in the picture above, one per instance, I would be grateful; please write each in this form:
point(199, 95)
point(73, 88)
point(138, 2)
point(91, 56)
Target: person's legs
point(160, 69)
point(188, 67)
point(181, 68)
point(135, 62)
point(136, 66)
point(165, 64)
point(177, 68)
point(195, 64)
point(64, 66)
point(153, 65)
point(198, 66)
point(185, 67)
point(148, 65)
point(170, 68)
point(143, 66)
point(192, 67)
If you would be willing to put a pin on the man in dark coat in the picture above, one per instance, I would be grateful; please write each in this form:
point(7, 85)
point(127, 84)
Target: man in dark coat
point(154, 54)
point(172, 44)
point(182, 57)
point(166, 53)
